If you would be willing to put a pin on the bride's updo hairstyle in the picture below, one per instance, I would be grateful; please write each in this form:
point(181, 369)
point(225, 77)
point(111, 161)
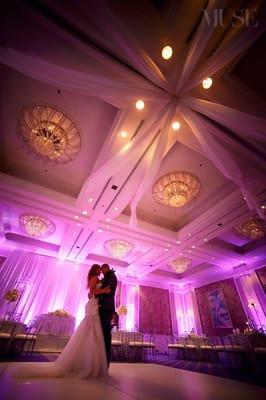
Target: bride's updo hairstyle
point(92, 272)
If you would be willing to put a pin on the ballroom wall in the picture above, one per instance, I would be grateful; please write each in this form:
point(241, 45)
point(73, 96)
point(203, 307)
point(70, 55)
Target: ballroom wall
point(154, 311)
point(233, 303)
point(261, 274)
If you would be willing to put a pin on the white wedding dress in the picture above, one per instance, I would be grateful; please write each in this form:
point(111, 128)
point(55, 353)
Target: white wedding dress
point(84, 356)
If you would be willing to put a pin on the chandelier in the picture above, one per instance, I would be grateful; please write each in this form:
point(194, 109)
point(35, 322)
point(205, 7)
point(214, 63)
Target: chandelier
point(254, 228)
point(179, 265)
point(176, 189)
point(48, 133)
point(35, 226)
point(118, 248)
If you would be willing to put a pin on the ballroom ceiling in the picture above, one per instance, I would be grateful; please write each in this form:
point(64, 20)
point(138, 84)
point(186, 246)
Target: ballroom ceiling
point(201, 231)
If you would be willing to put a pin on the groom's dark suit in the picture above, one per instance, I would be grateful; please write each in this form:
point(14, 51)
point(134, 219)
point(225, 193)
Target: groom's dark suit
point(107, 309)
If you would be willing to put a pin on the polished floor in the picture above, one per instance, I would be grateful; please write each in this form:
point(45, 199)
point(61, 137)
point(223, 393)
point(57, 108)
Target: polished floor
point(129, 382)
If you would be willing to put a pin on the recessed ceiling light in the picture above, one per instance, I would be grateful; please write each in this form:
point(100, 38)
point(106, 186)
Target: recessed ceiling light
point(178, 242)
point(123, 134)
point(189, 234)
point(100, 230)
point(207, 83)
point(205, 240)
point(140, 105)
point(167, 52)
point(76, 217)
point(168, 245)
point(193, 247)
point(93, 238)
point(115, 208)
point(90, 200)
point(176, 125)
point(189, 251)
point(263, 207)
point(108, 227)
point(166, 249)
point(84, 212)
point(107, 220)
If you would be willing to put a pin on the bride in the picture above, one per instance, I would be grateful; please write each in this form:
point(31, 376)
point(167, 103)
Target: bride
point(84, 355)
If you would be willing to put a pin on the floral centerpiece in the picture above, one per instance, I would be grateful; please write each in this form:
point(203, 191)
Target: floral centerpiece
point(122, 310)
point(59, 313)
point(12, 295)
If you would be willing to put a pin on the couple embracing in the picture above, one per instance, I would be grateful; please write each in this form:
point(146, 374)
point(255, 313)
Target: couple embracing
point(87, 353)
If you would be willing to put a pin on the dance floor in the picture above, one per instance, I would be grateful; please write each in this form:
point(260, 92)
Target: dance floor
point(128, 382)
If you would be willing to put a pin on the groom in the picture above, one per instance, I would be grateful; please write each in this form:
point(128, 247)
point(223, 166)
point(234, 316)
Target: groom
point(107, 306)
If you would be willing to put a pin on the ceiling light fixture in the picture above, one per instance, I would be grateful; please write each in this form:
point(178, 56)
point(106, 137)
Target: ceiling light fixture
point(254, 228)
point(180, 265)
point(176, 189)
point(36, 226)
point(167, 52)
point(48, 133)
point(118, 248)
point(123, 134)
point(207, 83)
point(176, 125)
point(140, 105)
point(84, 212)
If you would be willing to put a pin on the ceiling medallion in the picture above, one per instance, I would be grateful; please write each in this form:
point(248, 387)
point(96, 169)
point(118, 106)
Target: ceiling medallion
point(48, 133)
point(36, 226)
point(176, 189)
point(118, 248)
point(179, 265)
point(254, 228)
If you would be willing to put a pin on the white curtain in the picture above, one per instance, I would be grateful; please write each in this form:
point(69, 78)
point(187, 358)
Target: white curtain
point(45, 284)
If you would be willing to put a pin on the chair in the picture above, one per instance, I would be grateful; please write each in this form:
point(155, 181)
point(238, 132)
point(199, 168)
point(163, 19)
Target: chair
point(26, 341)
point(6, 334)
point(148, 347)
point(206, 350)
point(136, 347)
point(117, 346)
point(171, 344)
point(191, 349)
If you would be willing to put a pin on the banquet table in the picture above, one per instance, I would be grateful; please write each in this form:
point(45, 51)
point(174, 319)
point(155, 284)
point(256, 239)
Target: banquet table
point(56, 325)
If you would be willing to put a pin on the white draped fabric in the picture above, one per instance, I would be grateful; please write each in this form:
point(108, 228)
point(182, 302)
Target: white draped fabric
point(45, 284)
point(119, 70)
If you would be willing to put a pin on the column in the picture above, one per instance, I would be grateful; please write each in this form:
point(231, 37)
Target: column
point(252, 297)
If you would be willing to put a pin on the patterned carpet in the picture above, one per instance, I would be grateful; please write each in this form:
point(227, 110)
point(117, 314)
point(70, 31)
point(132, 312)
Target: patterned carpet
point(196, 366)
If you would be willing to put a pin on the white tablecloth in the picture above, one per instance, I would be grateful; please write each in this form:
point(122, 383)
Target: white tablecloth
point(55, 325)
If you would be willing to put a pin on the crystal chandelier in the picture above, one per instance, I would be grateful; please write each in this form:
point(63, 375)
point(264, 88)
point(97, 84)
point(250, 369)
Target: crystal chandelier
point(48, 133)
point(179, 265)
point(36, 226)
point(254, 228)
point(118, 248)
point(176, 189)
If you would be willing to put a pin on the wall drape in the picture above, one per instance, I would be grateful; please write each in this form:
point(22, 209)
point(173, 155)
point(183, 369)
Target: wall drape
point(154, 314)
